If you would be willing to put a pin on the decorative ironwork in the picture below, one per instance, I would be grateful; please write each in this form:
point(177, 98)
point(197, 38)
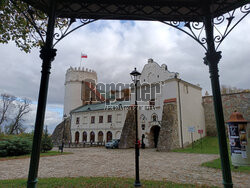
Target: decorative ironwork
point(227, 23)
point(38, 20)
point(60, 34)
point(137, 10)
point(163, 10)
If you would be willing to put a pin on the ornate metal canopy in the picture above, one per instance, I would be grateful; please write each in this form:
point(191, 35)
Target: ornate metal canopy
point(161, 10)
point(197, 18)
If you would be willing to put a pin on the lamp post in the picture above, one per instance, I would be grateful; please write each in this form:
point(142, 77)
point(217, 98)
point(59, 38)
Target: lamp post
point(64, 119)
point(193, 18)
point(134, 76)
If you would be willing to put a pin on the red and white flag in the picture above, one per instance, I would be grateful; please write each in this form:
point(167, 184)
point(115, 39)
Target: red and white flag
point(83, 55)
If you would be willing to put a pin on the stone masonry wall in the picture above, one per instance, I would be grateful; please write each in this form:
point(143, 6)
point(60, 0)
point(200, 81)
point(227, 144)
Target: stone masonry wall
point(61, 128)
point(128, 131)
point(230, 102)
point(168, 137)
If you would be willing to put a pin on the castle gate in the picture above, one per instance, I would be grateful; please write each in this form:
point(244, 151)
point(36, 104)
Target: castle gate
point(100, 136)
point(153, 136)
point(77, 137)
point(109, 136)
point(84, 136)
point(92, 137)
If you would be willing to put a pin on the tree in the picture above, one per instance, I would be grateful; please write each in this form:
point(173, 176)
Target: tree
point(16, 126)
point(46, 144)
point(7, 101)
point(20, 23)
point(229, 89)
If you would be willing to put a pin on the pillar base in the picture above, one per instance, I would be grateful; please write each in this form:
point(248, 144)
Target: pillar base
point(137, 184)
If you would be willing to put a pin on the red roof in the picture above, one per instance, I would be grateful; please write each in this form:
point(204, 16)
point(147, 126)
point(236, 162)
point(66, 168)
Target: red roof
point(170, 100)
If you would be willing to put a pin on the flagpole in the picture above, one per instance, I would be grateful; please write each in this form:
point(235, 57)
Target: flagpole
point(80, 61)
point(82, 56)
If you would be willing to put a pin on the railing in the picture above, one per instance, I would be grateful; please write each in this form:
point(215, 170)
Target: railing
point(81, 145)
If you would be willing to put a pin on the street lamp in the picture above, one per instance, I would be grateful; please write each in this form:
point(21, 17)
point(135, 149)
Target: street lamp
point(196, 19)
point(134, 76)
point(64, 119)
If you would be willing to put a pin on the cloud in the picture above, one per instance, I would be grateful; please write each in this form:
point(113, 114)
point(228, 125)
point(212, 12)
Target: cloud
point(52, 118)
point(114, 48)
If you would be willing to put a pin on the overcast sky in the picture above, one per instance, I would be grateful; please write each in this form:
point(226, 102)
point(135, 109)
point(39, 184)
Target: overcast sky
point(114, 48)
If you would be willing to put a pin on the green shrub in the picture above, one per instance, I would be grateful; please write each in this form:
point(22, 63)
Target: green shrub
point(15, 146)
point(3, 148)
point(46, 144)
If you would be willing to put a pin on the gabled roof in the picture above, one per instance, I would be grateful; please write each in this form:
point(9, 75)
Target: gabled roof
point(99, 106)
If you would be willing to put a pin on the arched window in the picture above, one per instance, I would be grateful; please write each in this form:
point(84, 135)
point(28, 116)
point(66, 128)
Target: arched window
point(142, 118)
point(92, 136)
point(154, 117)
point(77, 137)
point(109, 136)
point(100, 136)
point(84, 136)
point(143, 126)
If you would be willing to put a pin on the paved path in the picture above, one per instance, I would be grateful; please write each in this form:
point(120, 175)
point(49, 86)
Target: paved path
point(176, 167)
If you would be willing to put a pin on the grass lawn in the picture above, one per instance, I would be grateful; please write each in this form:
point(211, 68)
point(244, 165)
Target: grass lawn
point(216, 164)
point(210, 146)
point(207, 145)
point(49, 153)
point(95, 182)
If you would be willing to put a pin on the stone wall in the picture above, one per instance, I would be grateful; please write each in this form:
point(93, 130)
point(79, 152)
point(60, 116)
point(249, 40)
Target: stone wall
point(230, 102)
point(57, 135)
point(128, 131)
point(169, 137)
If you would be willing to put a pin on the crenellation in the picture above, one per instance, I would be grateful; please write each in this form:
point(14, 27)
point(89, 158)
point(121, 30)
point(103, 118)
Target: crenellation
point(73, 82)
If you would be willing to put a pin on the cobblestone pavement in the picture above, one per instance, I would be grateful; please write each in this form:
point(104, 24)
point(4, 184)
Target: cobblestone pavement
point(176, 167)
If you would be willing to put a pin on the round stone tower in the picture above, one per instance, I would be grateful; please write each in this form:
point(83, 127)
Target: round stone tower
point(73, 96)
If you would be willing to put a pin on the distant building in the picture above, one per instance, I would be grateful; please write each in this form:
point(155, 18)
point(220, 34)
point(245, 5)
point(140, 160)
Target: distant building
point(165, 118)
point(95, 123)
point(185, 97)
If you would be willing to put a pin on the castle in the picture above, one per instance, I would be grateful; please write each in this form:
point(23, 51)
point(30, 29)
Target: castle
point(172, 117)
point(73, 96)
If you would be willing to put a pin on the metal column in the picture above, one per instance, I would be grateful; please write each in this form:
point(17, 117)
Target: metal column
point(47, 55)
point(212, 59)
point(137, 178)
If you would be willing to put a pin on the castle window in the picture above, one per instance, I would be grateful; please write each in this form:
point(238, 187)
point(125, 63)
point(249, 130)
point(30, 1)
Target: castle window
point(143, 126)
point(152, 102)
point(154, 117)
point(109, 118)
point(92, 119)
point(77, 120)
point(100, 119)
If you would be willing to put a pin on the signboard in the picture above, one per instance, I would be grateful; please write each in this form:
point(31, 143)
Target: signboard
point(238, 139)
point(191, 129)
point(200, 131)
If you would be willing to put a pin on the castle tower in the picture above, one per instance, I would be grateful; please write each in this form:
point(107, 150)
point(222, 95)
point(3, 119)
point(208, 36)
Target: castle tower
point(73, 96)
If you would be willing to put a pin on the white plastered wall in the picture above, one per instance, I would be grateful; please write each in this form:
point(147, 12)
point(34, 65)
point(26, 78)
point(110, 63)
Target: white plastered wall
point(115, 126)
point(73, 87)
point(192, 112)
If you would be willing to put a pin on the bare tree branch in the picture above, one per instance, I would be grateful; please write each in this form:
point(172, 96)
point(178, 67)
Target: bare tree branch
point(16, 126)
point(6, 101)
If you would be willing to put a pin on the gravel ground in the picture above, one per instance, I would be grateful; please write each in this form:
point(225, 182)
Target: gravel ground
point(176, 167)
